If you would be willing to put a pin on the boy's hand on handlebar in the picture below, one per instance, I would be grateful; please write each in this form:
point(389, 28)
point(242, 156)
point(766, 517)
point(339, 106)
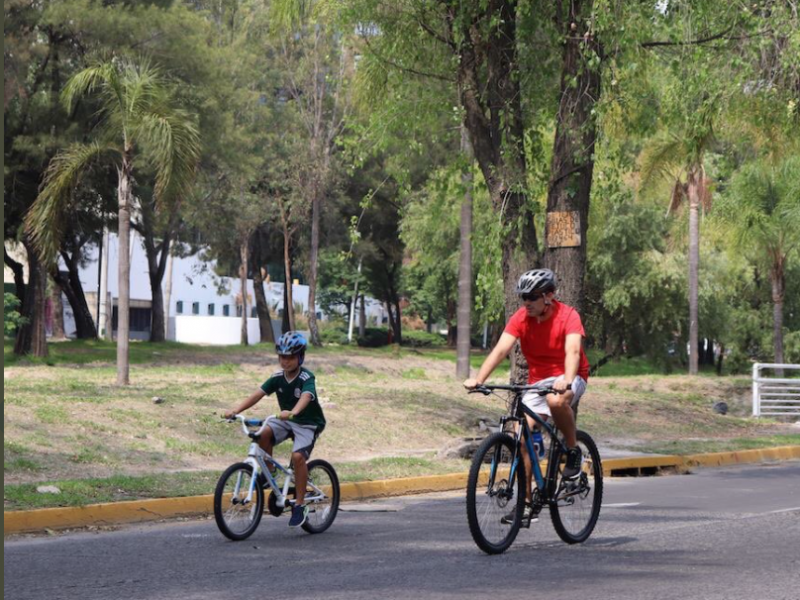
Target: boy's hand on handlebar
point(286, 415)
point(229, 414)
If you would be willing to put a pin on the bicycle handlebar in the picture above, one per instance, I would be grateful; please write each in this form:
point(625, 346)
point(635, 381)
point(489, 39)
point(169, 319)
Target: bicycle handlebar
point(251, 422)
point(487, 389)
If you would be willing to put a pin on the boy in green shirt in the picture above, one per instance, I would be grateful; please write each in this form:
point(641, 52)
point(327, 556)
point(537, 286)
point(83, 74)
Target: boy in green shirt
point(301, 416)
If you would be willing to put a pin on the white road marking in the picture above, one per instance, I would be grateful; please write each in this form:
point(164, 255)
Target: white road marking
point(621, 505)
point(783, 510)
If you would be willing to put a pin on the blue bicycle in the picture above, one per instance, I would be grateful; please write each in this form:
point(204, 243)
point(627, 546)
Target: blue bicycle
point(497, 479)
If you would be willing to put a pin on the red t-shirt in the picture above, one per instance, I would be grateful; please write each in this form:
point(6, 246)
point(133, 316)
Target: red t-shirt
point(544, 344)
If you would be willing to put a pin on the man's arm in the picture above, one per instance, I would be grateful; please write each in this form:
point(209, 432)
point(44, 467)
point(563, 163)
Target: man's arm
point(572, 360)
point(496, 356)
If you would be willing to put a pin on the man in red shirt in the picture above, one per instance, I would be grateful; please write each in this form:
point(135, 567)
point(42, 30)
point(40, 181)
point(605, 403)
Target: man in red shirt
point(550, 335)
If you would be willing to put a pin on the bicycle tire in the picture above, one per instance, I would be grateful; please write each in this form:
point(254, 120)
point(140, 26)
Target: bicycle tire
point(322, 513)
point(489, 499)
point(575, 511)
point(235, 520)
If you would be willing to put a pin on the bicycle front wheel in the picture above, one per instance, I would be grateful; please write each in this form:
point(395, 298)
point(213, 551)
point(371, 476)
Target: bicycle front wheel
point(322, 498)
point(495, 494)
point(576, 506)
point(236, 516)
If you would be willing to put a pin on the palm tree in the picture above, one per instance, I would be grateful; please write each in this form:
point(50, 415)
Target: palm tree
point(763, 208)
point(141, 120)
point(680, 157)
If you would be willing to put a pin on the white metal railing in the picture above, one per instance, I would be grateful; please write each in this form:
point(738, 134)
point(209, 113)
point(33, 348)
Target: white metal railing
point(775, 395)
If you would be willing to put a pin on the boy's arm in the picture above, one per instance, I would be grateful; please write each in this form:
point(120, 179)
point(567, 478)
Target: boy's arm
point(251, 400)
point(304, 401)
point(496, 356)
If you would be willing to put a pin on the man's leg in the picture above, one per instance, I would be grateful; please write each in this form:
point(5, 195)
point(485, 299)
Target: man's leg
point(561, 409)
point(526, 461)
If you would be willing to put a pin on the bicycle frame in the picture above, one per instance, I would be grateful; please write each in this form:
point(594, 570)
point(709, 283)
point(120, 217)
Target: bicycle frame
point(260, 461)
point(545, 483)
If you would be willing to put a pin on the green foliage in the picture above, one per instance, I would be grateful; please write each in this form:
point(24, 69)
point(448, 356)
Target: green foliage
point(11, 318)
point(333, 335)
point(374, 337)
point(422, 339)
point(636, 289)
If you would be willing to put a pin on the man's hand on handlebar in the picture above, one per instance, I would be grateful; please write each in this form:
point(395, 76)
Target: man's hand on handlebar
point(229, 414)
point(560, 386)
point(471, 383)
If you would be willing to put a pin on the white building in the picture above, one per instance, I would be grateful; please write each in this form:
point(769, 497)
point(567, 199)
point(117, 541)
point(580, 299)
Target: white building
point(204, 308)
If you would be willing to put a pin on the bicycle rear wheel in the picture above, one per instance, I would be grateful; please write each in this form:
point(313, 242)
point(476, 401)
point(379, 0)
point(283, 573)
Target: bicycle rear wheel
point(324, 504)
point(237, 518)
point(495, 495)
point(576, 507)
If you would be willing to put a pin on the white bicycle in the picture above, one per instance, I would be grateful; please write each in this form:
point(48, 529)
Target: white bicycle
point(239, 497)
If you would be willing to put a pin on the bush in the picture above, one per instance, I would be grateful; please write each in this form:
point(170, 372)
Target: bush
point(11, 318)
point(374, 337)
point(333, 335)
point(422, 339)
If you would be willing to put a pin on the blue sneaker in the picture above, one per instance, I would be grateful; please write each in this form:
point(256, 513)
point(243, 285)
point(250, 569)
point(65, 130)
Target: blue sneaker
point(299, 514)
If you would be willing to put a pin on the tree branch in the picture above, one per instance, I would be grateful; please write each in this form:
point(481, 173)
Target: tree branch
point(711, 38)
point(407, 69)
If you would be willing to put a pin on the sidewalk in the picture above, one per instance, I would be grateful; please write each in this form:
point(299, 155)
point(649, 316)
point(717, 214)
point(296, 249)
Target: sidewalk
point(118, 513)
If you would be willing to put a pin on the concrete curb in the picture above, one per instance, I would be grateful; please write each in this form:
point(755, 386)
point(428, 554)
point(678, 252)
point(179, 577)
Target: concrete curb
point(116, 513)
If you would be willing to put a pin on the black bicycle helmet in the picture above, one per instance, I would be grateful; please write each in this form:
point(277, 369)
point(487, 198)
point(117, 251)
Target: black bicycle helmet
point(536, 280)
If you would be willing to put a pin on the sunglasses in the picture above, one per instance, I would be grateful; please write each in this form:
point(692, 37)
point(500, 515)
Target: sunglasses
point(531, 297)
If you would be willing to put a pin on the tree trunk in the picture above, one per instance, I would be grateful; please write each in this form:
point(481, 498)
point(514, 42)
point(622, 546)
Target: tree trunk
point(168, 293)
point(694, 266)
point(488, 82)
point(155, 268)
point(243, 255)
point(125, 196)
point(465, 266)
point(85, 327)
point(312, 268)
point(288, 302)
point(104, 318)
point(285, 323)
point(19, 275)
point(362, 316)
point(31, 337)
point(58, 313)
point(262, 307)
point(778, 281)
point(572, 165)
point(84, 324)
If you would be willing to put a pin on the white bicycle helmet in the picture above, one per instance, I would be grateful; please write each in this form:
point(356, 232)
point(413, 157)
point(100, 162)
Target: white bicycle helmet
point(536, 280)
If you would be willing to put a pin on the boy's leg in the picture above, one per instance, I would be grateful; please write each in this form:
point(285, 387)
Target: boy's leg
point(300, 476)
point(267, 440)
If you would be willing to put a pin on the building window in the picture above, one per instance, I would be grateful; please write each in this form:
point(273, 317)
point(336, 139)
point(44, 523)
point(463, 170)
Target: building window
point(226, 310)
point(238, 310)
point(253, 312)
point(211, 309)
point(179, 307)
point(195, 308)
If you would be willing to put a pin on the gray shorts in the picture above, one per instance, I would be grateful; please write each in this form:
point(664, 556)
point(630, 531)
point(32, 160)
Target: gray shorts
point(304, 436)
point(538, 404)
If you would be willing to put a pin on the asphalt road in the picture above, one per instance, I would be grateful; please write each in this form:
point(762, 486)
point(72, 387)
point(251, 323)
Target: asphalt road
point(722, 534)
